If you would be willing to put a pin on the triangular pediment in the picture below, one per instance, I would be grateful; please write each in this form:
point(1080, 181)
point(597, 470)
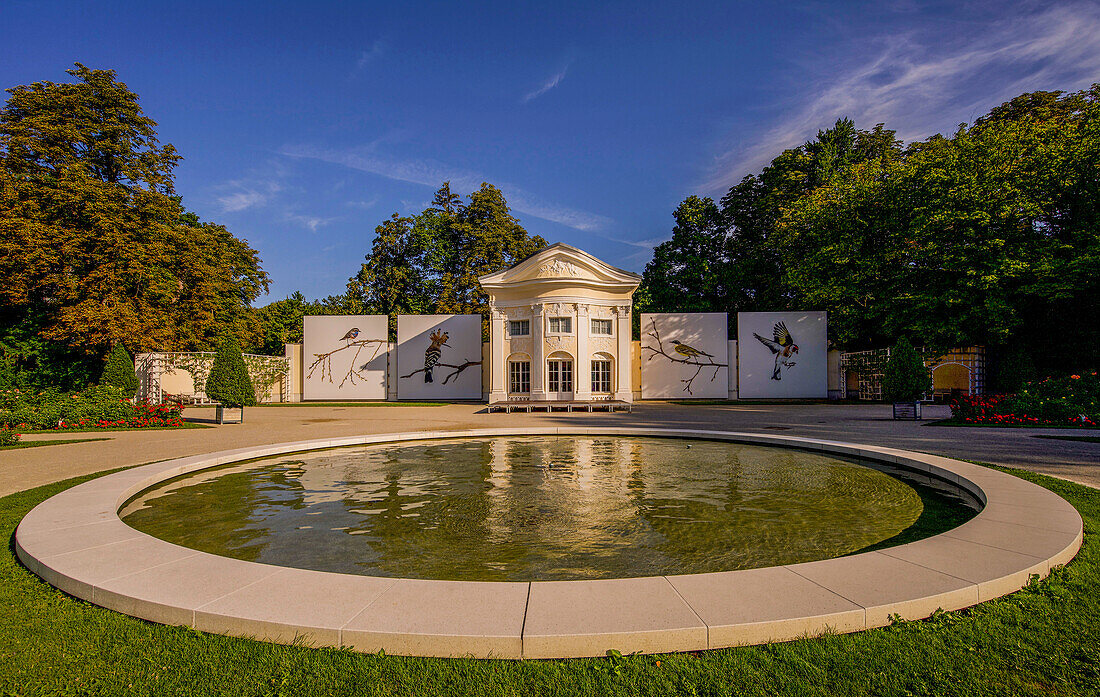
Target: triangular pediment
point(561, 263)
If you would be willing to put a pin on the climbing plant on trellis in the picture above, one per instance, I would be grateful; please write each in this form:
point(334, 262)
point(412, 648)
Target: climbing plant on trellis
point(264, 371)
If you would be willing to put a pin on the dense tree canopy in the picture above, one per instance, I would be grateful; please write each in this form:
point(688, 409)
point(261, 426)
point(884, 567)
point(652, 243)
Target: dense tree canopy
point(725, 258)
point(430, 262)
point(94, 247)
point(990, 236)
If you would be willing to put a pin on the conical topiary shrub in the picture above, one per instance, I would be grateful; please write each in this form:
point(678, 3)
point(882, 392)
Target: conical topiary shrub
point(229, 384)
point(119, 371)
point(905, 379)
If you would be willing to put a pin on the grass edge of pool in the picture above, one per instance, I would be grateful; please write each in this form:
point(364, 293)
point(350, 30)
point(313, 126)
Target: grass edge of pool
point(1042, 640)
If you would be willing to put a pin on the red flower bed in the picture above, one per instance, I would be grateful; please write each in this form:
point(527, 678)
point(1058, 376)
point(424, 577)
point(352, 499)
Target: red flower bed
point(95, 407)
point(144, 415)
point(1066, 401)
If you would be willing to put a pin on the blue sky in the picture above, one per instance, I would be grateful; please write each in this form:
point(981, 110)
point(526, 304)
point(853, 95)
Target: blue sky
point(303, 125)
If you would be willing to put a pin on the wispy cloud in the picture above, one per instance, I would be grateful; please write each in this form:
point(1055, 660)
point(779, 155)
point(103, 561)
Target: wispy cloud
point(377, 49)
point(550, 83)
point(643, 250)
point(432, 173)
point(647, 244)
point(928, 81)
point(363, 204)
point(242, 194)
point(311, 222)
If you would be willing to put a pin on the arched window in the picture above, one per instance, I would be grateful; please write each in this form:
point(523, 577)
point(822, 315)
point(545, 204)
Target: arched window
point(519, 373)
point(603, 371)
point(559, 374)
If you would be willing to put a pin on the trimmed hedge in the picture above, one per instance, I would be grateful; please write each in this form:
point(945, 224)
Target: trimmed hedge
point(101, 406)
point(229, 383)
point(905, 379)
point(119, 371)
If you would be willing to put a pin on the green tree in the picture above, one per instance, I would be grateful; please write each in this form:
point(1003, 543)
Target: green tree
point(228, 383)
point(728, 258)
point(119, 371)
point(905, 379)
point(687, 272)
point(281, 324)
point(95, 249)
point(430, 262)
point(281, 321)
point(991, 237)
point(479, 237)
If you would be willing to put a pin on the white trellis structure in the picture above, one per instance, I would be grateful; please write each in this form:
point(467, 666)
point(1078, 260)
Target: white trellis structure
point(868, 367)
point(971, 359)
point(182, 376)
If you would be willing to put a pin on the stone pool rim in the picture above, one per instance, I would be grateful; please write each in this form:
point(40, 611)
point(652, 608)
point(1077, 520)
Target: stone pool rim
point(76, 541)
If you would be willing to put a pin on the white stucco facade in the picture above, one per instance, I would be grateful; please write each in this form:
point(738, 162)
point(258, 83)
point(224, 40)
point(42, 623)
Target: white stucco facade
point(560, 328)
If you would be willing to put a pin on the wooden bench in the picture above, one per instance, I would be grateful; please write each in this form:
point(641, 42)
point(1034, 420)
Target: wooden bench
point(528, 406)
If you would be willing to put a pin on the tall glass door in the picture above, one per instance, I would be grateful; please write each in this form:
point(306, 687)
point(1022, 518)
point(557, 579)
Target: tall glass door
point(560, 374)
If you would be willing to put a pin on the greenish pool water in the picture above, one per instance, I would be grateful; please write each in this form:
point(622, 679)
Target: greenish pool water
point(542, 508)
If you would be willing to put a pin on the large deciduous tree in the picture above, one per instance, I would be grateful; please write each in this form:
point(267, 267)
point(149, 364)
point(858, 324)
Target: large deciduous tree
point(727, 258)
point(430, 262)
point(989, 237)
point(94, 247)
point(687, 272)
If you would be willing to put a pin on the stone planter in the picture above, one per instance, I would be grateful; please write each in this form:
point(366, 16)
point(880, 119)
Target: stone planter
point(907, 410)
point(220, 416)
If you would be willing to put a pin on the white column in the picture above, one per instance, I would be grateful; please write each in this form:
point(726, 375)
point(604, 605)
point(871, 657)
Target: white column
point(498, 370)
point(538, 351)
point(582, 371)
point(623, 361)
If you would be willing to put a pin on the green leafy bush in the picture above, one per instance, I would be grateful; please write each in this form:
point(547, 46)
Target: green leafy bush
point(8, 436)
point(905, 379)
point(1060, 399)
point(101, 406)
point(229, 383)
point(119, 371)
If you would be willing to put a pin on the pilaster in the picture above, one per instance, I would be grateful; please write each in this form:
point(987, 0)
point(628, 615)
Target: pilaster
point(498, 370)
point(582, 370)
point(624, 388)
point(538, 352)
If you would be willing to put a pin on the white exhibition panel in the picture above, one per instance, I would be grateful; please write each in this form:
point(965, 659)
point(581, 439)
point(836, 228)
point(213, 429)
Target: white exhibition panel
point(456, 373)
point(344, 356)
point(685, 355)
point(773, 365)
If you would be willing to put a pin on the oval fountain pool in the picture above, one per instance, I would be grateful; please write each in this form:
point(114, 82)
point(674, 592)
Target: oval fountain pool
point(541, 508)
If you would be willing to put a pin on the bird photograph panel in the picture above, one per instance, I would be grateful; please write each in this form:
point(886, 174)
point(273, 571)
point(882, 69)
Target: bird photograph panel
point(439, 356)
point(684, 355)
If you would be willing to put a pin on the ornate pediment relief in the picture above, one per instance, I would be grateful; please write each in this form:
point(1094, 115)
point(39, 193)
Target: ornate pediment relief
point(564, 264)
point(558, 268)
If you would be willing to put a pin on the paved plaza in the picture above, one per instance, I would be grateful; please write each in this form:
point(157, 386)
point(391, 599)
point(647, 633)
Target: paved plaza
point(867, 424)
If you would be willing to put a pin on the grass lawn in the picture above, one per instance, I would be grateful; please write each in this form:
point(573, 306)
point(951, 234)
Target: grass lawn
point(39, 443)
point(1044, 640)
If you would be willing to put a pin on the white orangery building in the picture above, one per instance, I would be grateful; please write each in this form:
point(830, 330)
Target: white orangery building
point(560, 327)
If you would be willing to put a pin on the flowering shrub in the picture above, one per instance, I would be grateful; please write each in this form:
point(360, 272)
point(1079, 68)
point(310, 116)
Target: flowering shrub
point(1062, 401)
point(8, 436)
point(101, 406)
